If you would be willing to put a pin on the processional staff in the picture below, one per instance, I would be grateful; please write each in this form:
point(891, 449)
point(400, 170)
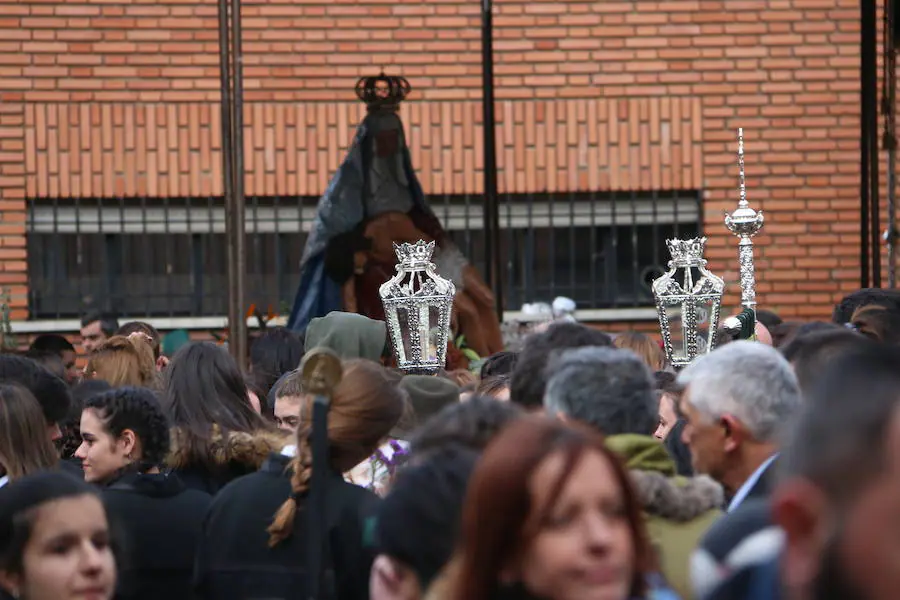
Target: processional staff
point(322, 371)
point(744, 223)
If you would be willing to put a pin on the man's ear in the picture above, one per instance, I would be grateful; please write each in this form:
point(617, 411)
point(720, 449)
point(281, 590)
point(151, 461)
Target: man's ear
point(735, 432)
point(801, 510)
point(563, 417)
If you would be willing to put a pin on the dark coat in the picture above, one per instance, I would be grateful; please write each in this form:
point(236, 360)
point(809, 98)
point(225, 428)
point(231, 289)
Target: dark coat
point(755, 582)
point(234, 561)
point(765, 485)
point(160, 520)
point(230, 455)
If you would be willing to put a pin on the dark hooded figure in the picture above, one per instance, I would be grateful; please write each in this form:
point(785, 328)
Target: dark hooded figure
point(255, 535)
point(216, 434)
point(373, 201)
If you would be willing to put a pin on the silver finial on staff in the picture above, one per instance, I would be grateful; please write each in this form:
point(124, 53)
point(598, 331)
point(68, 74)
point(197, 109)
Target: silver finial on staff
point(745, 223)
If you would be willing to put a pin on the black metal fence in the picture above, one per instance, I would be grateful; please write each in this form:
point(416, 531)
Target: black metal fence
point(160, 257)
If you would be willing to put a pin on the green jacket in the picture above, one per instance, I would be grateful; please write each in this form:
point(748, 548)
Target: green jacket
point(679, 510)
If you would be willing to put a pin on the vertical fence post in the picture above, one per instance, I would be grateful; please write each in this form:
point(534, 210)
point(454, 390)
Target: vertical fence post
point(493, 271)
point(238, 341)
point(889, 140)
point(869, 255)
point(233, 175)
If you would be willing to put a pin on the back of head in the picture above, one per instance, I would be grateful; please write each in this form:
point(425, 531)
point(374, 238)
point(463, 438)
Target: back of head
point(277, 351)
point(428, 395)
point(750, 381)
point(768, 318)
point(152, 336)
point(418, 523)
point(124, 361)
point(472, 424)
point(365, 406)
point(204, 388)
point(52, 342)
point(51, 361)
point(843, 310)
point(501, 363)
point(138, 410)
point(109, 324)
point(529, 378)
point(644, 347)
point(25, 447)
point(606, 388)
point(877, 323)
point(51, 392)
point(839, 440)
point(813, 354)
point(349, 335)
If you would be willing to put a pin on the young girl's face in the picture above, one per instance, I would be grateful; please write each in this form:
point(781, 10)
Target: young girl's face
point(101, 454)
point(68, 555)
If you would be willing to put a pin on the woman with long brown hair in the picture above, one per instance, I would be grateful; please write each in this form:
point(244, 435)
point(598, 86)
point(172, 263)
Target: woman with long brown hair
point(550, 513)
point(24, 445)
point(644, 346)
point(124, 361)
point(245, 552)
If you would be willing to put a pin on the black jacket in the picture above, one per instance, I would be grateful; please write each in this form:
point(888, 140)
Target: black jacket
point(160, 520)
point(234, 561)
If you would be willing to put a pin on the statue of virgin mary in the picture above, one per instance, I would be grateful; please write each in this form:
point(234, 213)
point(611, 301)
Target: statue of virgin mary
point(373, 201)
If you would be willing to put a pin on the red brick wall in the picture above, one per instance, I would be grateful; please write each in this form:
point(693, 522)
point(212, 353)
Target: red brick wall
point(111, 98)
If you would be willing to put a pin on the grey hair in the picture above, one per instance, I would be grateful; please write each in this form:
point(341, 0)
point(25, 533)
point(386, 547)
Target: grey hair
point(748, 380)
point(608, 388)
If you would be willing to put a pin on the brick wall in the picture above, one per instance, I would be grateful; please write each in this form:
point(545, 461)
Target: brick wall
point(111, 98)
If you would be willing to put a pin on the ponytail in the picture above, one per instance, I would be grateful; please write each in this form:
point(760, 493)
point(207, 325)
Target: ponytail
point(283, 524)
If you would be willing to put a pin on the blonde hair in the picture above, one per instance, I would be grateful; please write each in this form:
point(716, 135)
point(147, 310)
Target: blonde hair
point(366, 405)
point(124, 361)
point(644, 346)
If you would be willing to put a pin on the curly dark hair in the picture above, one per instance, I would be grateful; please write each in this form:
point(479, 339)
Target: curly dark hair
point(139, 410)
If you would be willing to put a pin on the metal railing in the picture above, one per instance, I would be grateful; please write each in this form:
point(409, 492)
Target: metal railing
point(167, 257)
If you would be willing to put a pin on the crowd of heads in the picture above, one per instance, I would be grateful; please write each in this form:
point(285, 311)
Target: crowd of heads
point(581, 465)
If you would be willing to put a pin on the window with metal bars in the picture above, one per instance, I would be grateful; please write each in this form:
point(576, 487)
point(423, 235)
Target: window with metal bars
point(166, 257)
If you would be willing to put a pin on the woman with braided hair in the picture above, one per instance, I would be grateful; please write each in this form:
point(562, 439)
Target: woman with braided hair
point(125, 441)
point(254, 537)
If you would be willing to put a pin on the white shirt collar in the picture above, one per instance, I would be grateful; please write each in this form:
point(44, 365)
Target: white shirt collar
point(744, 490)
point(4, 480)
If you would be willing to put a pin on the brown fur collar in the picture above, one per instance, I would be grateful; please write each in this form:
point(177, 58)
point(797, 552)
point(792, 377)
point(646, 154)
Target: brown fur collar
point(249, 450)
point(677, 498)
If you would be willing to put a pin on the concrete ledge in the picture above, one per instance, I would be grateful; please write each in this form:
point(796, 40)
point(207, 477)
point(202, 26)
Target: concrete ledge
point(220, 323)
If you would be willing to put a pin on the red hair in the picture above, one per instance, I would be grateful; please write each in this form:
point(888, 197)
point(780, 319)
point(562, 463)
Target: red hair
point(497, 513)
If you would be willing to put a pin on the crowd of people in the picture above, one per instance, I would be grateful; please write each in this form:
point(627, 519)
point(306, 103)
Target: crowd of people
point(579, 466)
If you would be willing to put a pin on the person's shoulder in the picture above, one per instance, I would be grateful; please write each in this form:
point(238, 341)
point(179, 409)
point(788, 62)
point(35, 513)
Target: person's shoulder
point(754, 582)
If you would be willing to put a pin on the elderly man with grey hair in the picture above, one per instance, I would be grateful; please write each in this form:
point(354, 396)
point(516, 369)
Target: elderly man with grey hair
point(612, 391)
point(736, 402)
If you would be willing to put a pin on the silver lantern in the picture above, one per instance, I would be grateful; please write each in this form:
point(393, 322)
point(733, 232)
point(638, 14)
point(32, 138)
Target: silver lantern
point(417, 305)
point(688, 299)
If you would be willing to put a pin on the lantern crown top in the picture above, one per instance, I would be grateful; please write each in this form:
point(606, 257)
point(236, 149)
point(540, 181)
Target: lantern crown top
point(412, 255)
point(687, 253)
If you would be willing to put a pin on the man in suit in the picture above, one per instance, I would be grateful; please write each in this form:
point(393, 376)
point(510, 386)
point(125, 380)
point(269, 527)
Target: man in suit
point(735, 401)
point(835, 532)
